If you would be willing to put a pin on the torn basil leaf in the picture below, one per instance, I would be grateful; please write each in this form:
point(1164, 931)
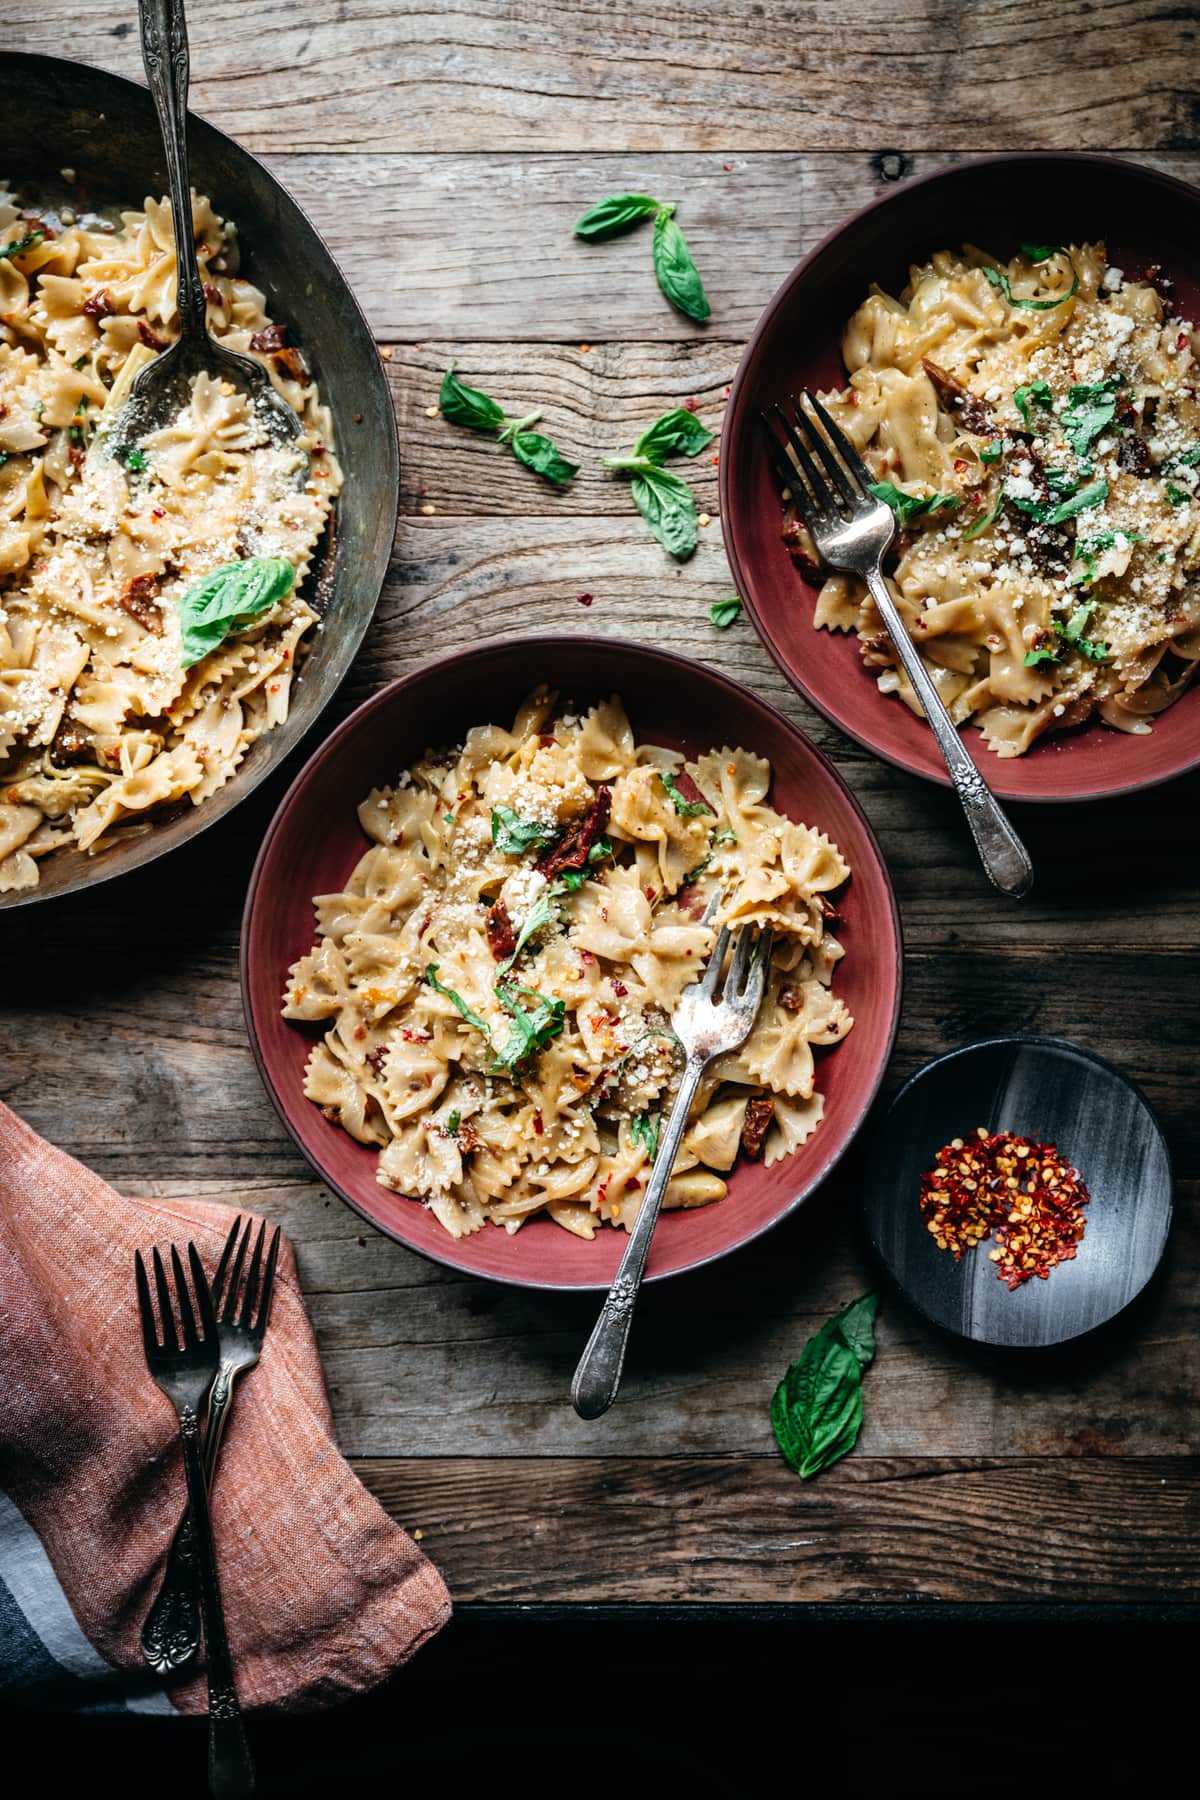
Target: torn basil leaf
point(1090, 407)
point(229, 598)
point(912, 506)
point(723, 613)
point(20, 245)
point(991, 453)
point(513, 836)
point(1039, 393)
point(687, 809)
point(457, 1001)
point(643, 1130)
point(533, 1027)
point(999, 280)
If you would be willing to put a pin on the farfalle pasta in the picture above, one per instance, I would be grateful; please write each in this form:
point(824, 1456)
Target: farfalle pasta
point(497, 978)
point(1036, 425)
point(102, 721)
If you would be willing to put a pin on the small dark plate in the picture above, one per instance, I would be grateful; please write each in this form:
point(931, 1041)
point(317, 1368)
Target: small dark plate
point(1054, 1092)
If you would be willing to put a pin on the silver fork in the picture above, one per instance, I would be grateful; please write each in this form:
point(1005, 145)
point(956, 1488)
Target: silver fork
point(851, 528)
point(185, 1371)
point(706, 1027)
point(171, 1632)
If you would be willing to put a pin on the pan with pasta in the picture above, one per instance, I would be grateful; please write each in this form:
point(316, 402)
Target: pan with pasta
point(495, 979)
point(153, 614)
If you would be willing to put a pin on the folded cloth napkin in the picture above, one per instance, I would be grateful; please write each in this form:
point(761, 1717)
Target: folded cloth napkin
point(323, 1594)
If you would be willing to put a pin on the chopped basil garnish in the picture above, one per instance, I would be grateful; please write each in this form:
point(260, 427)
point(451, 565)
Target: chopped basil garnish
point(991, 453)
point(723, 613)
point(725, 837)
point(513, 836)
point(542, 912)
point(1073, 632)
point(643, 1130)
point(1037, 391)
point(1090, 407)
point(1090, 550)
point(476, 411)
point(20, 245)
point(456, 1000)
point(999, 280)
point(532, 1029)
point(817, 1408)
point(1034, 657)
point(136, 460)
point(1182, 459)
point(981, 524)
point(911, 506)
point(1176, 495)
point(228, 598)
point(453, 1123)
point(1049, 512)
point(687, 809)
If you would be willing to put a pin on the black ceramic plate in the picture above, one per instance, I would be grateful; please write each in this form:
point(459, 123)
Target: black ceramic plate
point(1057, 1093)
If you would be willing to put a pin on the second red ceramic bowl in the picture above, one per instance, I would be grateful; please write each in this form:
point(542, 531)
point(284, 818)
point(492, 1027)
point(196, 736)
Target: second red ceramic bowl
point(1144, 217)
point(315, 840)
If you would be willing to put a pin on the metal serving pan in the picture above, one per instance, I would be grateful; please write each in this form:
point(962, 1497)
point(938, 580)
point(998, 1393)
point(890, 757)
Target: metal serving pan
point(56, 114)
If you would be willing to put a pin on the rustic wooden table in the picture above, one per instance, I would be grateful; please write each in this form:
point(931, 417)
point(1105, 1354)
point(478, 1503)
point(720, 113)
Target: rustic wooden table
point(444, 153)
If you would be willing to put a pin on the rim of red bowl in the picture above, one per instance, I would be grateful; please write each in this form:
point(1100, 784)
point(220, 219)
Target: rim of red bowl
point(738, 400)
point(541, 644)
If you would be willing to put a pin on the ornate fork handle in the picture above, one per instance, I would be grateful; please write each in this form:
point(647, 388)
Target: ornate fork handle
point(1001, 851)
point(598, 1375)
point(165, 59)
point(171, 1633)
point(230, 1769)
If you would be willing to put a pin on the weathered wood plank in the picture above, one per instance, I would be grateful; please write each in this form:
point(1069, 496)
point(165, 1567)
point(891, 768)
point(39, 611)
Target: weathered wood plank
point(694, 1529)
point(456, 246)
point(486, 76)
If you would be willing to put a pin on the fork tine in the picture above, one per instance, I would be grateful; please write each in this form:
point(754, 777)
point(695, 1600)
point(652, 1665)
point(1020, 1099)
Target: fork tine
point(248, 1304)
point(842, 444)
point(822, 497)
point(708, 984)
point(738, 964)
point(846, 486)
point(204, 1301)
point(170, 1339)
point(229, 1311)
point(264, 1305)
point(756, 979)
point(186, 1314)
point(218, 1281)
point(145, 1307)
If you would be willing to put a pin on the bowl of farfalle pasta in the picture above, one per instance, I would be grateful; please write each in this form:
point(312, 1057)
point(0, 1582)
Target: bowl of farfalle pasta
point(472, 919)
point(1012, 347)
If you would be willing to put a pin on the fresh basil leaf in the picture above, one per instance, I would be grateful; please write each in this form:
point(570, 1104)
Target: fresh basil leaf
point(1087, 497)
point(453, 1122)
point(1090, 407)
point(725, 837)
point(464, 405)
point(1037, 391)
point(723, 613)
point(816, 1410)
point(1176, 495)
point(677, 433)
point(687, 809)
point(532, 1029)
point(513, 836)
point(136, 461)
point(912, 506)
point(677, 274)
point(999, 280)
point(643, 1130)
point(991, 453)
point(456, 1000)
point(571, 880)
point(228, 598)
point(666, 504)
point(542, 912)
point(981, 524)
point(1041, 252)
point(613, 214)
point(1033, 658)
point(599, 850)
point(542, 456)
point(20, 245)
point(1183, 459)
point(1090, 550)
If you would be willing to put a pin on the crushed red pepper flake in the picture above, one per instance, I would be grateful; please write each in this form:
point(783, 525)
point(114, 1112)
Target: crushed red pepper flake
point(1024, 1194)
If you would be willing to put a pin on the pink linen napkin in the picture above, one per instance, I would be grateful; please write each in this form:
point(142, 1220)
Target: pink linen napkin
point(324, 1595)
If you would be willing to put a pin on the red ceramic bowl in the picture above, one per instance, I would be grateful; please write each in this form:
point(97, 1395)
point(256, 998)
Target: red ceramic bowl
point(314, 841)
point(1144, 217)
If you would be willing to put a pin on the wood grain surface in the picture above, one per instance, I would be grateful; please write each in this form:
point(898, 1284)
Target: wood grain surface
point(444, 153)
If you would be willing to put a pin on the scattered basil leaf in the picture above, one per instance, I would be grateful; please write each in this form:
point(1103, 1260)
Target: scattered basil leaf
point(1090, 407)
point(912, 506)
point(513, 836)
point(643, 1130)
point(532, 1029)
point(20, 245)
point(1176, 495)
point(687, 809)
point(991, 453)
point(1048, 512)
point(1183, 459)
point(464, 405)
point(599, 850)
point(999, 280)
point(816, 1410)
point(136, 460)
point(725, 837)
point(1034, 657)
point(542, 456)
point(456, 1000)
point(228, 598)
point(666, 504)
point(1073, 632)
point(677, 274)
point(453, 1122)
point(678, 433)
point(1090, 550)
point(542, 912)
point(1037, 391)
point(981, 524)
point(1036, 253)
point(615, 213)
point(724, 613)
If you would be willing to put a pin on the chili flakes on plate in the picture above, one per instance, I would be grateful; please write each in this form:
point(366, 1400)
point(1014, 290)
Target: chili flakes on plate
point(1025, 1194)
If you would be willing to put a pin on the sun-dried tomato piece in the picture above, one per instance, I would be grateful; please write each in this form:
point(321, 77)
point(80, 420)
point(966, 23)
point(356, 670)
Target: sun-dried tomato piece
point(502, 939)
point(137, 598)
point(98, 306)
point(269, 339)
point(962, 405)
point(571, 850)
point(759, 1113)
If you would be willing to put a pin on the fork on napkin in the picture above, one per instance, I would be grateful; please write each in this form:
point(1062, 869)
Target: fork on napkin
point(324, 1594)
